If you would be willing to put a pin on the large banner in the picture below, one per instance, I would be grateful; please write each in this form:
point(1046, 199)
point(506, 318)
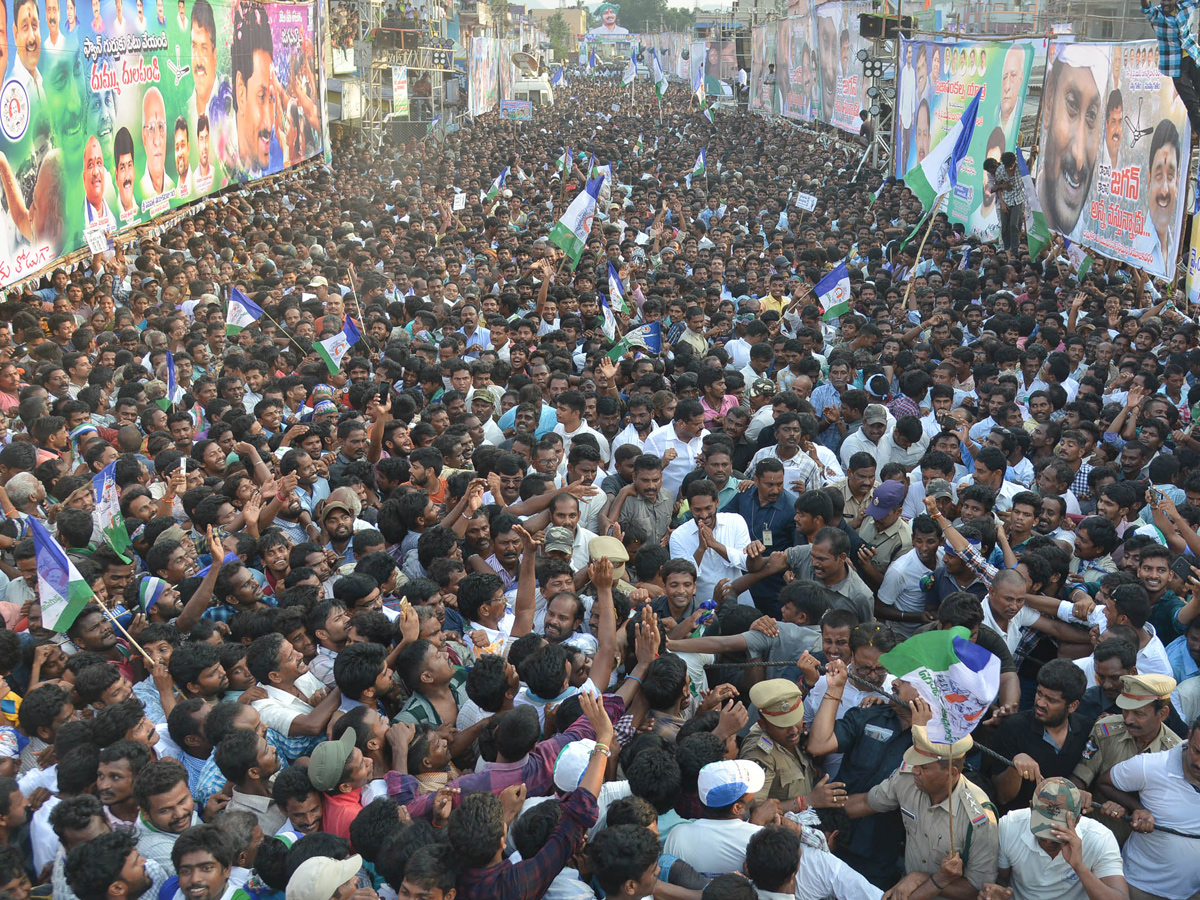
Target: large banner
point(843, 87)
point(764, 83)
point(400, 103)
point(679, 46)
point(109, 122)
point(797, 64)
point(720, 66)
point(1114, 152)
point(1192, 282)
point(508, 69)
point(484, 76)
point(937, 81)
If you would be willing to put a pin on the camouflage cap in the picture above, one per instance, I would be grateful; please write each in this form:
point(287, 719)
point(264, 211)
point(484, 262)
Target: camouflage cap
point(1053, 800)
point(558, 540)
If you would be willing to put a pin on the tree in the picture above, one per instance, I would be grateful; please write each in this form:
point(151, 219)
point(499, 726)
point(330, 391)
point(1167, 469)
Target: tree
point(560, 35)
point(647, 16)
point(499, 14)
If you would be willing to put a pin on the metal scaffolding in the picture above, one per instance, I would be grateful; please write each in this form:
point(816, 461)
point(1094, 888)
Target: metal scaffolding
point(422, 52)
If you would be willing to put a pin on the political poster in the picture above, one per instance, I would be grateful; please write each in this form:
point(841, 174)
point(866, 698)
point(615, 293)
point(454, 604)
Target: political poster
point(483, 76)
point(109, 120)
point(799, 87)
point(843, 88)
point(400, 90)
point(1114, 152)
point(678, 50)
point(508, 69)
point(1192, 282)
point(937, 80)
point(764, 93)
point(516, 110)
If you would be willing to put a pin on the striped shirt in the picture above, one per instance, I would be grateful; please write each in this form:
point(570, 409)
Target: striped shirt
point(1174, 34)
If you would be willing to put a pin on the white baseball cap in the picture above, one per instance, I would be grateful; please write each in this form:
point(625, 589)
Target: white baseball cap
point(726, 782)
point(320, 877)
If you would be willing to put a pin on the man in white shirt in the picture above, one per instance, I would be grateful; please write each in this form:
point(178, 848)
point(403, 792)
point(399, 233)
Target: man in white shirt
point(570, 406)
point(55, 39)
point(739, 348)
point(903, 584)
point(155, 182)
point(27, 36)
point(297, 704)
point(1167, 786)
point(96, 211)
point(990, 468)
point(1052, 852)
point(867, 438)
point(800, 472)
point(761, 393)
point(782, 868)
point(718, 543)
point(905, 443)
point(1005, 611)
point(678, 444)
point(716, 844)
point(641, 423)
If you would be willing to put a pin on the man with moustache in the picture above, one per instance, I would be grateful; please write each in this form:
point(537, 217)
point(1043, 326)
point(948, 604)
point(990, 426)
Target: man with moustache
point(55, 39)
point(204, 59)
point(828, 38)
point(1162, 177)
point(204, 172)
point(96, 211)
point(27, 36)
point(155, 181)
point(1114, 115)
point(253, 87)
point(1178, 51)
point(108, 865)
point(1071, 140)
point(182, 162)
point(203, 859)
point(123, 151)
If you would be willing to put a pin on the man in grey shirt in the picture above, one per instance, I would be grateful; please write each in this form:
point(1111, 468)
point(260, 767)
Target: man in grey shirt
point(827, 560)
point(802, 604)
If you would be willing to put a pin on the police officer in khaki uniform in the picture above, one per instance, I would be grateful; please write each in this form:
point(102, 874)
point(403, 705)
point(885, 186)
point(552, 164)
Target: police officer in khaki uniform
point(774, 743)
point(1145, 703)
point(927, 789)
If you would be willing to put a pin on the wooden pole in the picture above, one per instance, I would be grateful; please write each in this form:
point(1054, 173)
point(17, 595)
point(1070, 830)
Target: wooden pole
point(361, 318)
point(950, 804)
point(928, 228)
point(133, 643)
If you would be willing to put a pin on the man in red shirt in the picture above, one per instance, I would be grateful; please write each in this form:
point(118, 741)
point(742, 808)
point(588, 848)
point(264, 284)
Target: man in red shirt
point(340, 770)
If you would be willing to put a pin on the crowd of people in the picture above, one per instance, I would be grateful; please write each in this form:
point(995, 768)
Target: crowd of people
point(493, 611)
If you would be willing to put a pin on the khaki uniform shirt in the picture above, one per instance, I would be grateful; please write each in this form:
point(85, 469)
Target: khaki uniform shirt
point(790, 773)
point(851, 505)
point(976, 834)
point(1110, 743)
point(891, 543)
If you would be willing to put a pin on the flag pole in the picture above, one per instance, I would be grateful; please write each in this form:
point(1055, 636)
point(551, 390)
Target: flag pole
point(363, 336)
point(133, 643)
point(284, 331)
point(928, 228)
point(950, 803)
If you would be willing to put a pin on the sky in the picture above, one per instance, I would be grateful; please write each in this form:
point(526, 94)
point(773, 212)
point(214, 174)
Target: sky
point(682, 4)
